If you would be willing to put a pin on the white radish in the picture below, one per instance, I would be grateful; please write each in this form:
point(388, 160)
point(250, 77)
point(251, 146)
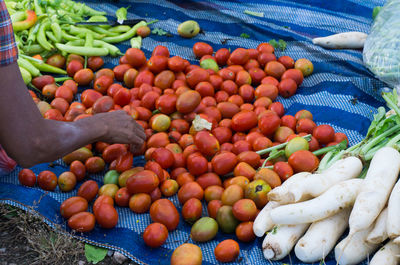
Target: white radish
point(346, 40)
point(388, 255)
point(393, 215)
point(353, 249)
point(263, 222)
point(321, 237)
point(313, 185)
point(280, 241)
point(397, 240)
point(282, 193)
point(338, 197)
point(316, 184)
point(378, 183)
point(379, 233)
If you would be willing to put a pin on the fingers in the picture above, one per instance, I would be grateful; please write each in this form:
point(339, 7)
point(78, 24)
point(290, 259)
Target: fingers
point(139, 131)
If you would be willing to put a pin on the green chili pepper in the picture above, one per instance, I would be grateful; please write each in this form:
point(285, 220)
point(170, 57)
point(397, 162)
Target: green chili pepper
point(97, 19)
point(121, 14)
point(41, 37)
point(51, 36)
point(112, 49)
point(81, 50)
point(119, 29)
point(38, 8)
point(32, 49)
point(18, 16)
point(67, 36)
point(77, 31)
point(89, 40)
point(43, 67)
point(26, 76)
point(55, 27)
point(92, 12)
point(101, 30)
point(28, 66)
point(136, 42)
point(29, 20)
point(125, 36)
point(62, 79)
point(32, 33)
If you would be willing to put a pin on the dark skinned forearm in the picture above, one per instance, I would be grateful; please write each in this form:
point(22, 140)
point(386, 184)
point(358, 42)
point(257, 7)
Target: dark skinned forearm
point(29, 138)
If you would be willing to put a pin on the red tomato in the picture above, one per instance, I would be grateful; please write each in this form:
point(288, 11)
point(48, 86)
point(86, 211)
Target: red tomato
point(95, 62)
point(287, 88)
point(82, 222)
point(222, 56)
point(163, 211)
point(265, 47)
point(157, 63)
point(244, 121)
point(324, 133)
point(73, 205)
point(163, 157)
point(106, 216)
point(196, 164)
point(27, 178)
point(224, 163)
point(201, 48)
point(47, 180)
point(160, 50)
point(88, 190)
point(283, 169)
point(155, 235)
point(303, 161)
point(135, 57)
point(227, 251)
point(190, 190)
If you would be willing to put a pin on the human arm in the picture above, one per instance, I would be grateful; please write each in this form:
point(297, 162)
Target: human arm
point(30, 139)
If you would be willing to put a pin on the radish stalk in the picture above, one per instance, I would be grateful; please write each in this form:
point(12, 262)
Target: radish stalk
point(279, 242)
point(354, 249)
point(263, 222)
point(393, 216)
point(381, 177)
point(388, 255)
point(339, 196)
point(346, 40)
point(321, 237)
point(379, 233)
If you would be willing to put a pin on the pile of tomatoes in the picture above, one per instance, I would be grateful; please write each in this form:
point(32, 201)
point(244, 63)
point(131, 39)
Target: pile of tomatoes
point(206, 127)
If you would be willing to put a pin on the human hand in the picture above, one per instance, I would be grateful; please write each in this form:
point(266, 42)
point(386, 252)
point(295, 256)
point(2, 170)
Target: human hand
point(122, 128)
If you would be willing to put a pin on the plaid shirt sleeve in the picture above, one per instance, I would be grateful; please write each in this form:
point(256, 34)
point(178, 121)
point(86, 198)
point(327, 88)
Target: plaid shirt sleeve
point(8, 47)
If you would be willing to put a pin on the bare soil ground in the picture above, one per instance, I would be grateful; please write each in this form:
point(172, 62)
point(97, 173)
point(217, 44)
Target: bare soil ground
point(25, 239)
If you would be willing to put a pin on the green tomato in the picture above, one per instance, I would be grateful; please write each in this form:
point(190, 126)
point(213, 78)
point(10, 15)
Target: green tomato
point(296, 144)
point(111, 177)
point(209, 64)
point(188, 29)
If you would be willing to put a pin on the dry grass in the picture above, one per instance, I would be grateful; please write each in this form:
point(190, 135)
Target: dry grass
point(28, 240)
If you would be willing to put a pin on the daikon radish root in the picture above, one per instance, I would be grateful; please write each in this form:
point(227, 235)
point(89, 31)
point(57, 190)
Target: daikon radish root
point(282, 193)
point(279, 242)
point(353, 249)
point(338, 197)
point(397, 240)
point(316, 184)
point(379, 233)
point(263, 222)
point(378, 184)
point(387, 255)
point(393, 215)
point(346, 40)
point(321, 237)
